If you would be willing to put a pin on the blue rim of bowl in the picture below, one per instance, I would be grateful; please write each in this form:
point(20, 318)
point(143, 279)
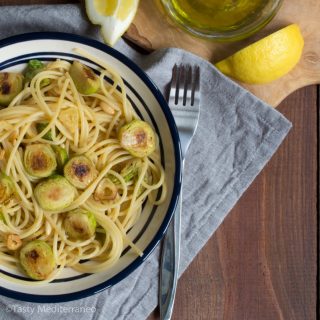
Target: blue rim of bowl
point(177, 178)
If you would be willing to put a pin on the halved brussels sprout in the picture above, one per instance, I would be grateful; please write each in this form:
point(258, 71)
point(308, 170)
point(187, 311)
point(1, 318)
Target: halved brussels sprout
point(106, 190)
point(35, 66)
point(85, 80)
point(138, 138)
point(7, 188)
point(10, 85)
point(80, 224)
point(61, 155)
point(40, 160)
point(37, 259)
point(55, 193)
point(80, 171)
point(40, 127)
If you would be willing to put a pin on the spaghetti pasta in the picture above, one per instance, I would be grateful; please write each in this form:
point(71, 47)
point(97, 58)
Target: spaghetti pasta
point(80, 124)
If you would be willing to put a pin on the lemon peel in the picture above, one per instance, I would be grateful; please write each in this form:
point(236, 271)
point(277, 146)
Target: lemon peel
point(267, 59)
point(114, 16)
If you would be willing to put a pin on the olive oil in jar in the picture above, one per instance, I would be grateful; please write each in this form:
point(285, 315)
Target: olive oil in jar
point(217, 15)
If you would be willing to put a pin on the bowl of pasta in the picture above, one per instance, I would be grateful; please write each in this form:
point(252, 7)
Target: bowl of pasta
point(90, 167)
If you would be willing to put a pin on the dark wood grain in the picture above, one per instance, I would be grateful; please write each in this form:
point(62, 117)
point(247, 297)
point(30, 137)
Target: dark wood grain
point(261, 264)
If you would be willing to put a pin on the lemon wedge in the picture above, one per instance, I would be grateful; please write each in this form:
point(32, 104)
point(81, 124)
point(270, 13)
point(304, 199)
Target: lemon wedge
point(114, 16)
point(267, 59)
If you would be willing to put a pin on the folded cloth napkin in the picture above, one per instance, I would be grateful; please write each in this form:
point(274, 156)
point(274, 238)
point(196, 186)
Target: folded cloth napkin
point(237, 134)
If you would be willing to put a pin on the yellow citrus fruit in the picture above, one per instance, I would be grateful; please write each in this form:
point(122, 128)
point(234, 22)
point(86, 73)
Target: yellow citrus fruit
point(267, 59)
point(114, 16)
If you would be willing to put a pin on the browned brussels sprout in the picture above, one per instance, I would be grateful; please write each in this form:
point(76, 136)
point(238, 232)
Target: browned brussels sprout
point(40, 160)
point(106, 190)
point(80, 171)
point(55, 193)
point(138, 138)
point(37, 259)
point(80, 224)
point(11, 84)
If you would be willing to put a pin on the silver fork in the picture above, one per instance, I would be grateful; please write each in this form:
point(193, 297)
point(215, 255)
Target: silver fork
point(184, 102)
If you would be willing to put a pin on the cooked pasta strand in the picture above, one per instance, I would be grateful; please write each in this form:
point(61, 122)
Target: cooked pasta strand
point(81, 125)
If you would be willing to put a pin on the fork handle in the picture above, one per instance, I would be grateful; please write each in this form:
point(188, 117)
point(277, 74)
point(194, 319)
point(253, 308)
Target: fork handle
point(170, 254)
point(169, 264)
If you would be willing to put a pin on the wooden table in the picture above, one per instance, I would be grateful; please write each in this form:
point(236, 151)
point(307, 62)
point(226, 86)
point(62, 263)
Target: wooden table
point(261, 264)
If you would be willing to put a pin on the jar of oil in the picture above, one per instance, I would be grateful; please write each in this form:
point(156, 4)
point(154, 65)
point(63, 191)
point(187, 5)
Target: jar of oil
point(222, 19)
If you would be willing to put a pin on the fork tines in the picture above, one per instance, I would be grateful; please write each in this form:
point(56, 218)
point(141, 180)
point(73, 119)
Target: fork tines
point(184, 89)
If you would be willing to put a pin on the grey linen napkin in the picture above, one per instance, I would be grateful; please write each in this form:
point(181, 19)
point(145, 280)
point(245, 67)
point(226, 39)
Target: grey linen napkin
point(237, 134)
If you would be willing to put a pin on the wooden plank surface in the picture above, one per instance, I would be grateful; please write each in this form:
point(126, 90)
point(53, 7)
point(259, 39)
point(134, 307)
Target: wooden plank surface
point(261, 264)
point(153, 29)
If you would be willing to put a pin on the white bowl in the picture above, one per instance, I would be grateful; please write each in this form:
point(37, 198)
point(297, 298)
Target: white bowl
point(150, 104)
